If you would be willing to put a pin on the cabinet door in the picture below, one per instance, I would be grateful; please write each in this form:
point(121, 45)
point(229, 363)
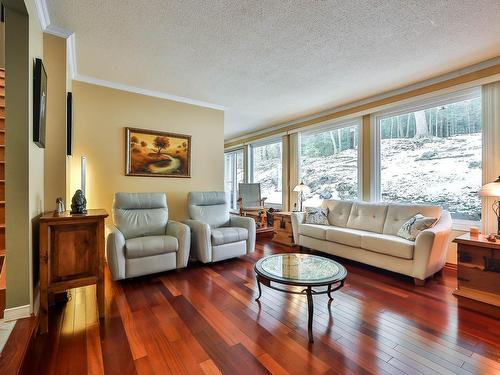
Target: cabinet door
point(472, 270)
point(73, 251)
point(283, 230)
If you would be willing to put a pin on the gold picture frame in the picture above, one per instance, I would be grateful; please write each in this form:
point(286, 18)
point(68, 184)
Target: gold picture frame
point(152, 153)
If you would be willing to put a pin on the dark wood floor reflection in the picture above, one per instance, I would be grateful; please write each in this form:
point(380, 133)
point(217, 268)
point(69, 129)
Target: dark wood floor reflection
point(204, 320)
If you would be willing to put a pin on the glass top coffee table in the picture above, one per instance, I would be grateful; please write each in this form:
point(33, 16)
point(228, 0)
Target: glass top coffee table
point(304, 270)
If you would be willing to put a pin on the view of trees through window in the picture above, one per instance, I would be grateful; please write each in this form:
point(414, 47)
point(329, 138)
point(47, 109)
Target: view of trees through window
point(267, 169)
point(433, 156)
point(329, 164)
point(234, 174)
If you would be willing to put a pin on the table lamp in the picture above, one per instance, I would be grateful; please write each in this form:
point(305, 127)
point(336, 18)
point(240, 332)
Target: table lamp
point(492, 190)
point(301, 189)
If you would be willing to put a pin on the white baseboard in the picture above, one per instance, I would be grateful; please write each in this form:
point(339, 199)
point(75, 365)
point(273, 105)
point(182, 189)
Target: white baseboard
point(16, 313)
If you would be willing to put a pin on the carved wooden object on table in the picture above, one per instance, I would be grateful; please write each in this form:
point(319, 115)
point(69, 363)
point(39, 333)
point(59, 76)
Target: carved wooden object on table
point(479, 274)
point(71, 255)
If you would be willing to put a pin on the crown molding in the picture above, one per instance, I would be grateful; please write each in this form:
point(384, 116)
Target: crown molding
point(57, 31)
point(142, 91)
point(43, 13)
point(71, 56)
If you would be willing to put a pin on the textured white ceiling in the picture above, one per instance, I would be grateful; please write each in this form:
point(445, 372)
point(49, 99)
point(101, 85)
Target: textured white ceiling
point(272, 61)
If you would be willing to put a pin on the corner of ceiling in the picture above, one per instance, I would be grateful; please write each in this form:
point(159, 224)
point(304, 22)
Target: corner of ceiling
point(50, 28)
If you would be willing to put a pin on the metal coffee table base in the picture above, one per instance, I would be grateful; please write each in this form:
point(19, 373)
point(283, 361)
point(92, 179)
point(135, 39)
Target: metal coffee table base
point(308, 291)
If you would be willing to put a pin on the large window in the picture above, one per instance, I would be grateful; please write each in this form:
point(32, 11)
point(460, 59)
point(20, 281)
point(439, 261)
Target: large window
point(329, 163)
point(234, 174)
point(432, 154)
point(267, 168)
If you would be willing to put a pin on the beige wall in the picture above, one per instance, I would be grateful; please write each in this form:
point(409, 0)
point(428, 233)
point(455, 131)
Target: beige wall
point(24, 167)
point(54, 53)
point(101, 114)
point(36, 163)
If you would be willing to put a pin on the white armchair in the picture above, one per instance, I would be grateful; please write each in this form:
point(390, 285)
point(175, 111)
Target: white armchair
point(144, 241)
point(216, 235)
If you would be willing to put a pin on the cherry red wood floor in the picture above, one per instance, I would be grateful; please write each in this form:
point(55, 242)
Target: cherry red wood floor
point(204, 320)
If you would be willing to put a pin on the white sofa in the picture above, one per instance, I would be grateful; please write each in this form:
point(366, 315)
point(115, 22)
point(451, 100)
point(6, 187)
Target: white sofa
point(366, 232)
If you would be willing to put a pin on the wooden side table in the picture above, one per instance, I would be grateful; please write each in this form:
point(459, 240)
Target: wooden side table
point(478, 273)
point(71, 255)
point(283, 228)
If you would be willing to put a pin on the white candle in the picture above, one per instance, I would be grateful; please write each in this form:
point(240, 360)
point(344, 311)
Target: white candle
point(84, 173)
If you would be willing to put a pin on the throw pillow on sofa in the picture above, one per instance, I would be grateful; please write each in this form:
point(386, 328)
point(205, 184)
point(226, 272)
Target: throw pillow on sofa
point(415, 225)
point(316, 215)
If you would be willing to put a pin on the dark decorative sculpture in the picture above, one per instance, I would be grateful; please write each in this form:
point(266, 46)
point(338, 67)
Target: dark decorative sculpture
point(78, 203)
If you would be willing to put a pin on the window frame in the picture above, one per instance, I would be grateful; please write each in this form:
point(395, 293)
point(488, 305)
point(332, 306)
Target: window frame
point(413, 106)
point(260, 143)
point(335, 125)
point(234, 171)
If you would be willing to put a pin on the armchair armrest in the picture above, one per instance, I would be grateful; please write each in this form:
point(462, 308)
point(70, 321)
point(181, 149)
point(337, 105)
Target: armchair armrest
point(431, 246)
point(115, 251)
point(183, 235)
point(201, 244)
point(297, 218)
point(249, 224)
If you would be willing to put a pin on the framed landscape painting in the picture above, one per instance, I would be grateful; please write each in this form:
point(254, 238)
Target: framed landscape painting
point(152, 153)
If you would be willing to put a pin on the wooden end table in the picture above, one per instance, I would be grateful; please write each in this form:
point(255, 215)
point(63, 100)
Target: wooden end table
point(71, 256)
point(478, 273)
point(303, 270)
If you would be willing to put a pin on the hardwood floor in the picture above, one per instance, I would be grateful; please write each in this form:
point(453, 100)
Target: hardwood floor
point(204, 320)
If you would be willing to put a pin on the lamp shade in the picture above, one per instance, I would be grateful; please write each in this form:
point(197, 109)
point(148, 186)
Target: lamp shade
point(301, 188)
point(491, 190)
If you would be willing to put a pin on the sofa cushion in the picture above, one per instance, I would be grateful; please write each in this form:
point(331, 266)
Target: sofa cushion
point(140, 247)
point(313, 230)
point(221, 236)
point(411, 229)
point(398, 214)
point(388, 245)
point(345, 236)
point(367, 216)
point(317, 215)
point(338, 211)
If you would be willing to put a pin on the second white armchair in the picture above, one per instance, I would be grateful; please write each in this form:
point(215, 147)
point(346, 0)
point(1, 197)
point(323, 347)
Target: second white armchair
point(215, 234)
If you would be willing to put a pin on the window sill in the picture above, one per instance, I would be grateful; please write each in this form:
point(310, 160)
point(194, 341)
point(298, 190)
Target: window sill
point(464, 225)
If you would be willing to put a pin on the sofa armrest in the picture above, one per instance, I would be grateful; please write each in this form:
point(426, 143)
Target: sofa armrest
point(431, 246)
point(201, 245)
point(297, 218)
point(115, 251)
point(249, 224)
point(183, 235)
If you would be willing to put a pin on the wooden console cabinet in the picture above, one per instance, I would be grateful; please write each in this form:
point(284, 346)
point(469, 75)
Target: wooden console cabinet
point(478, 274)
point(71, 255)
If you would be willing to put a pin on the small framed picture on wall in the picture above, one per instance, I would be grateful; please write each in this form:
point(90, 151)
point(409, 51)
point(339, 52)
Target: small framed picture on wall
point(39, 103)
point(151, 153)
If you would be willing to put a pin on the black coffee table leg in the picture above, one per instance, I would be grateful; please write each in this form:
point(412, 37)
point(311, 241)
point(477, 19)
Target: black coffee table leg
point(260, 289)
point(311, 311)
point(330, 292)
